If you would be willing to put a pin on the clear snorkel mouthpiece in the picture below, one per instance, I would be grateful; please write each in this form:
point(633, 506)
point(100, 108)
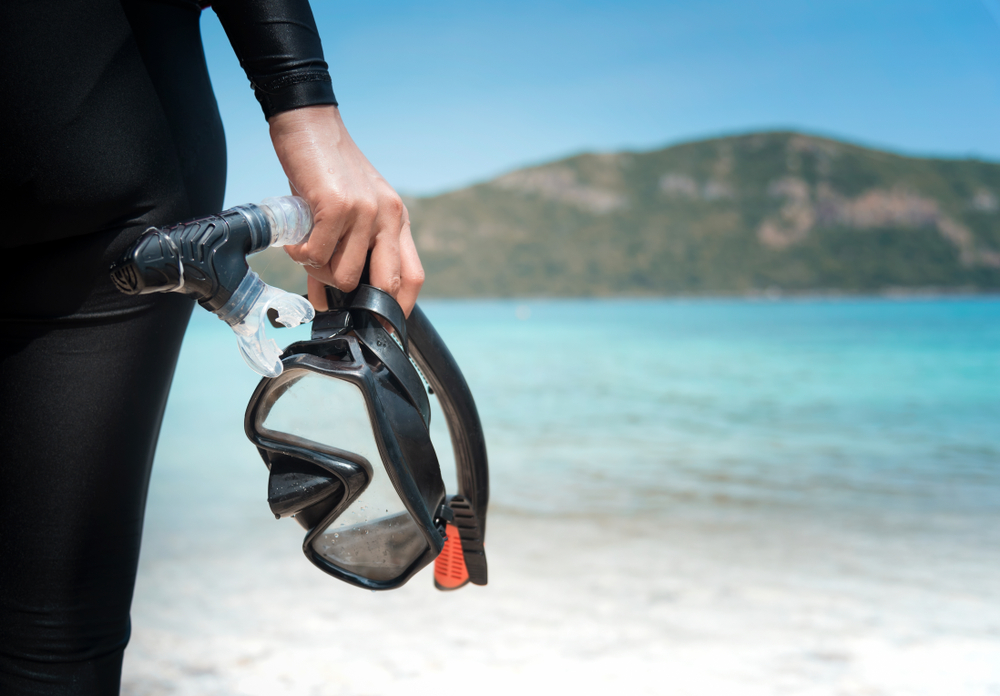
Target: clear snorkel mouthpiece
point(206, 258)
point(290, 220)
point(247, 316)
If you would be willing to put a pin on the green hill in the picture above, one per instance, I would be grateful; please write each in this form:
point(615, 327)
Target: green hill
point(730, 215)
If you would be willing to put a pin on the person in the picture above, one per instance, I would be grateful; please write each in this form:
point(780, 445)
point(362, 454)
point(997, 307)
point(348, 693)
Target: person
point(108, 126)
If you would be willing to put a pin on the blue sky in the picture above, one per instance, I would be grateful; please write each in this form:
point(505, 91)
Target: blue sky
point(443, 94)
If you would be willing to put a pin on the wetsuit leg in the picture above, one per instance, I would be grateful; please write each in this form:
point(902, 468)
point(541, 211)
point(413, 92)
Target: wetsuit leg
point(128, 136)
point(81, 406)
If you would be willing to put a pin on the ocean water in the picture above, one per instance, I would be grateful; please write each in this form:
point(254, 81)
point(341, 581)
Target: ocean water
point(688, 496)
point(808, 408)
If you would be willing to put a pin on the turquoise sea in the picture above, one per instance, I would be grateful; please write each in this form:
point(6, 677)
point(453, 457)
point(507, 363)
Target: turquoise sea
point(773, 481)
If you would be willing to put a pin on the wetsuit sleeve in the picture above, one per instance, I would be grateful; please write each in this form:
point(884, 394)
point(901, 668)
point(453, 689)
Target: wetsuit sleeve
point(279, 48)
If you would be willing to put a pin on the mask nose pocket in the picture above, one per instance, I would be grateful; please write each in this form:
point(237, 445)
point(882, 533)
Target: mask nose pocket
point(301, 489)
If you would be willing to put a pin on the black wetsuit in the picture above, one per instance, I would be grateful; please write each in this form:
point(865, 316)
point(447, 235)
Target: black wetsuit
point(108, 125)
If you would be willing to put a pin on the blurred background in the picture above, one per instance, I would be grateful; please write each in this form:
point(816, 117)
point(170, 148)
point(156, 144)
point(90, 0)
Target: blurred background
point(724, 280)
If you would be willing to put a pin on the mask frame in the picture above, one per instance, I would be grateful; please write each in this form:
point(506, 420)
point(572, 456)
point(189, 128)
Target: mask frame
point(349, 344)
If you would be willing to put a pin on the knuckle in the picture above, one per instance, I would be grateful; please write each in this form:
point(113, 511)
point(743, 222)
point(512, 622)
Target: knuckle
point(314, 259)
point(367, 207)
point(392, 285)
point(346, 280)
point(415, 277)
point(394, 207)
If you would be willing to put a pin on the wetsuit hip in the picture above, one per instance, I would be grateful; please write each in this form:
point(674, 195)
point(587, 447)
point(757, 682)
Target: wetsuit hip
point(109, 125)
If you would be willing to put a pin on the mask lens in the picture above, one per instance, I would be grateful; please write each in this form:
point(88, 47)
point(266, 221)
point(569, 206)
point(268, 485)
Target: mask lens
point(375, 537)
point(379, 548)
point(323, 410)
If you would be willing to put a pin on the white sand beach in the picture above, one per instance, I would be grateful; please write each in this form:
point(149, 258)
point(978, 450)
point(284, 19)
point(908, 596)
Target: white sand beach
point(579, 606)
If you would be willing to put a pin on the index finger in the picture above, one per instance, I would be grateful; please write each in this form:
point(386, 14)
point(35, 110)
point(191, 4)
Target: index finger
point(328, 229)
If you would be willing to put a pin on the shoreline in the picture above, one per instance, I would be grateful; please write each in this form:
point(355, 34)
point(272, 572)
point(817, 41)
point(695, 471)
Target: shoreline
point(932, 293)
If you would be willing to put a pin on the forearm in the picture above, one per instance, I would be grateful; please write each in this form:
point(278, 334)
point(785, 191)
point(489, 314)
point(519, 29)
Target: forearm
point(355, 211)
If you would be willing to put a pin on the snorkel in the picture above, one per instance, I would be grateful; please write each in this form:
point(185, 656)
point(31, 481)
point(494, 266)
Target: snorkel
point(341, 420)
point(207, 259)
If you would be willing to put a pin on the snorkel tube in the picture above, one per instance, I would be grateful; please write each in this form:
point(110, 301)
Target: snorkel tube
point(468, 529)
point(207, 259)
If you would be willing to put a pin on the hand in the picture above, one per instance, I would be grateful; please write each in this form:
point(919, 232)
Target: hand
point(354, 209)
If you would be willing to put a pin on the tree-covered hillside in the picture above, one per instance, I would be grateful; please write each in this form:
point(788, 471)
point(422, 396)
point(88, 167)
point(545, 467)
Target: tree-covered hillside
point(730, 215)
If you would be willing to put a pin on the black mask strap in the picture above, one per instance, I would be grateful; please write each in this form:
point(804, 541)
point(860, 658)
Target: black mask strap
point(370, 299)
point(359, 305)
point(373, 300)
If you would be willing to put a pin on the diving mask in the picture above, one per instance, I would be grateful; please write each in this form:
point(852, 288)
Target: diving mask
point(344, 432)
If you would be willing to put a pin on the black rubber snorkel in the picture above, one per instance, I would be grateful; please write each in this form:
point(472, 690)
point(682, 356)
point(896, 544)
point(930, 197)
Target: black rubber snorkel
point(468, 443)
point(206, 259)
point(467, 439)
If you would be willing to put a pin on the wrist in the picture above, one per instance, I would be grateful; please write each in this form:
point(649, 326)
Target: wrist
point(295, 90)
point(304, 118)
